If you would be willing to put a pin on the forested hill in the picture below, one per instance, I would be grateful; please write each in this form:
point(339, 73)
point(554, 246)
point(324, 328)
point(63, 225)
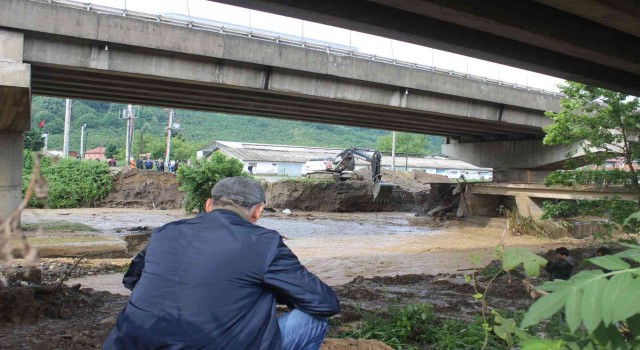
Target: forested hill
point(104, 127)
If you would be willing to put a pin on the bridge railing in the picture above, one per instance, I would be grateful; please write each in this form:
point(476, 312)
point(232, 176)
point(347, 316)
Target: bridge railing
point(285, 41)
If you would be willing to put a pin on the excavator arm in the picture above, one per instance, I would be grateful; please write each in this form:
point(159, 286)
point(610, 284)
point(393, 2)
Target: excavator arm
point(345, 161)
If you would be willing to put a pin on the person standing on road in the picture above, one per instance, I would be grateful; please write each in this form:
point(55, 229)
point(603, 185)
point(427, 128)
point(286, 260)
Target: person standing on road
point(212, 282)
point(250, 168)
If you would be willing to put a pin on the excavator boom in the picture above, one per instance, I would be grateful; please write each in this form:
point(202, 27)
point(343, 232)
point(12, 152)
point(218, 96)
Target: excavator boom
point(345, 161)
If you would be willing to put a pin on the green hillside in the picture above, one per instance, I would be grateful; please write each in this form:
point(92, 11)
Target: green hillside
point(104, 127)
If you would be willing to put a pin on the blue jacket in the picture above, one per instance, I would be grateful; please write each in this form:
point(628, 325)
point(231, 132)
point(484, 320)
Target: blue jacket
point(211, 282)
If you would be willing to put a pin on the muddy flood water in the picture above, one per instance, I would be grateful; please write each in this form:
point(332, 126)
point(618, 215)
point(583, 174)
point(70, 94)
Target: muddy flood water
point(336, 246)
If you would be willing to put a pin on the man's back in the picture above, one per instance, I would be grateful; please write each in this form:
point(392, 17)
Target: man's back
point(211, 283)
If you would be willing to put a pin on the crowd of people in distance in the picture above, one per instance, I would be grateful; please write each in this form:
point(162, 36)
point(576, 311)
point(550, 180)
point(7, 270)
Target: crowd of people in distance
point(158, 165)
point(149, 164)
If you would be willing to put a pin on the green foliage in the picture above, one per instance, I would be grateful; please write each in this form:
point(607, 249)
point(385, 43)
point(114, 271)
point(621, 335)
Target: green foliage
point(601, 121)
point(110, 150)
point(402, 328)
point(589, 177)
point(197, 180)
point(415, 326)
point(513, 257)
point(72, 183)
point(614, 209)
point(604, 124)
point(405, 143)
point(452, 334)
point(33, 140)
point(601, 309)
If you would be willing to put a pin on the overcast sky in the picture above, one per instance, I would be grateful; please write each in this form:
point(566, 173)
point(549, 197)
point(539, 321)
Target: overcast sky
point(365, 43)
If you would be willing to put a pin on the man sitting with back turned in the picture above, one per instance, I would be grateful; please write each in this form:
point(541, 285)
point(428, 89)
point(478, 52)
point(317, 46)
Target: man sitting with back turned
point(212, 282)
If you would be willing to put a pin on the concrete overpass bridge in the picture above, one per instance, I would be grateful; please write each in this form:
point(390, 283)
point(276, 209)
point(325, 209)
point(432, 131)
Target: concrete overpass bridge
point(74, 52)
point(85, 54)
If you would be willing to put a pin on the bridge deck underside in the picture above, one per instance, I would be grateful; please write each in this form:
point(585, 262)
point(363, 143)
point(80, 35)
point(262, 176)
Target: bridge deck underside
point(125, 88)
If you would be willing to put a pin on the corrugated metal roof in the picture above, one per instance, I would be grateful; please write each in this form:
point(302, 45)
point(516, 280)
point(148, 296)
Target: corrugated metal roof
point(256, 152)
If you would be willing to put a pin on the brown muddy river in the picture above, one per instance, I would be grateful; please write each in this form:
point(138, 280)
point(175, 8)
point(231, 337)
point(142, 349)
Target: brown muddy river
point(336, 246)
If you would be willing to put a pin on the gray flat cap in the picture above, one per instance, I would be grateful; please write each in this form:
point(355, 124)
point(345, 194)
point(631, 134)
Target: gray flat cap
point(241, 190)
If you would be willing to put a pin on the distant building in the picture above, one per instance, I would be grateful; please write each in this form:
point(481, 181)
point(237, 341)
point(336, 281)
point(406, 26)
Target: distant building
point(614, 164)
point(95, 153)
point(289, 160)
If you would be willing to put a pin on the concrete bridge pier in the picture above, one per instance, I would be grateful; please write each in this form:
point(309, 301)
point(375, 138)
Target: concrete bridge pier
point(515, 162)
point(15, 109)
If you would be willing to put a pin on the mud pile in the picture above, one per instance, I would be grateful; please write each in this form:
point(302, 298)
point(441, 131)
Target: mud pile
point(330, 196)
point(133, 188)
point(450, 295)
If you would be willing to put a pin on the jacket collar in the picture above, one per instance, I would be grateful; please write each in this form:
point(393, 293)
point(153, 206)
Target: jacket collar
point(235, 210)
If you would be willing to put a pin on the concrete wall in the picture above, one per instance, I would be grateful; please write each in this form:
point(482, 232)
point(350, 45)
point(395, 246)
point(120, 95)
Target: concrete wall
point(525, 154)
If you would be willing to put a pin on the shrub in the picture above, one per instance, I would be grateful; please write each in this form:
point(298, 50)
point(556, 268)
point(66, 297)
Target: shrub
point(197, 180)
point(453, 334)
point(403, 326)
point(416, 326)
point(72, 183)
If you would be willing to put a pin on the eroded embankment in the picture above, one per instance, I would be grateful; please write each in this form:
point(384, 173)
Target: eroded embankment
point(329, 196)
point(133, 188)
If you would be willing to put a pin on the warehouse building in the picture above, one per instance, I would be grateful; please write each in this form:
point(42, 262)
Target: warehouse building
point(287, 160)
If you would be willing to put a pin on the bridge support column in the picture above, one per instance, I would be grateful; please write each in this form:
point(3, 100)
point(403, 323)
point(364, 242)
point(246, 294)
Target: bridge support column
point(529, 207)
point(11, 144)
point(15, 109)
point(478, 205)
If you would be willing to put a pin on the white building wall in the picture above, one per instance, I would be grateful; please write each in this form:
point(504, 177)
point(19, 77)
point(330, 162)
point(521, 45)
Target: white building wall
point(262, 168)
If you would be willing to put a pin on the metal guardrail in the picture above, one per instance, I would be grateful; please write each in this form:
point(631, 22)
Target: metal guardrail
point(285, 41)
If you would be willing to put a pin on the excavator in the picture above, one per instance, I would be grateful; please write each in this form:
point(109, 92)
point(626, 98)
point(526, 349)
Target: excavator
point(343, 166)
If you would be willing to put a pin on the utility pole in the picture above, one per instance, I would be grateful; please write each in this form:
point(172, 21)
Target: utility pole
point(128, 115)
point(82, 141)
point(126, 146)
point(67, 127)
point(130, 111)
point(393, 150)
point(166, 157)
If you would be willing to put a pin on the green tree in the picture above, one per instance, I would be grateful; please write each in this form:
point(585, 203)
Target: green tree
point(197, 180)
point(33, 140)
point(405, 143)
point(602, 124)
point(110, 150)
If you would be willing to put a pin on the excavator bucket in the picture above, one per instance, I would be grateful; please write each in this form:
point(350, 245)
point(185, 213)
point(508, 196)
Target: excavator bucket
point(382, 192)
